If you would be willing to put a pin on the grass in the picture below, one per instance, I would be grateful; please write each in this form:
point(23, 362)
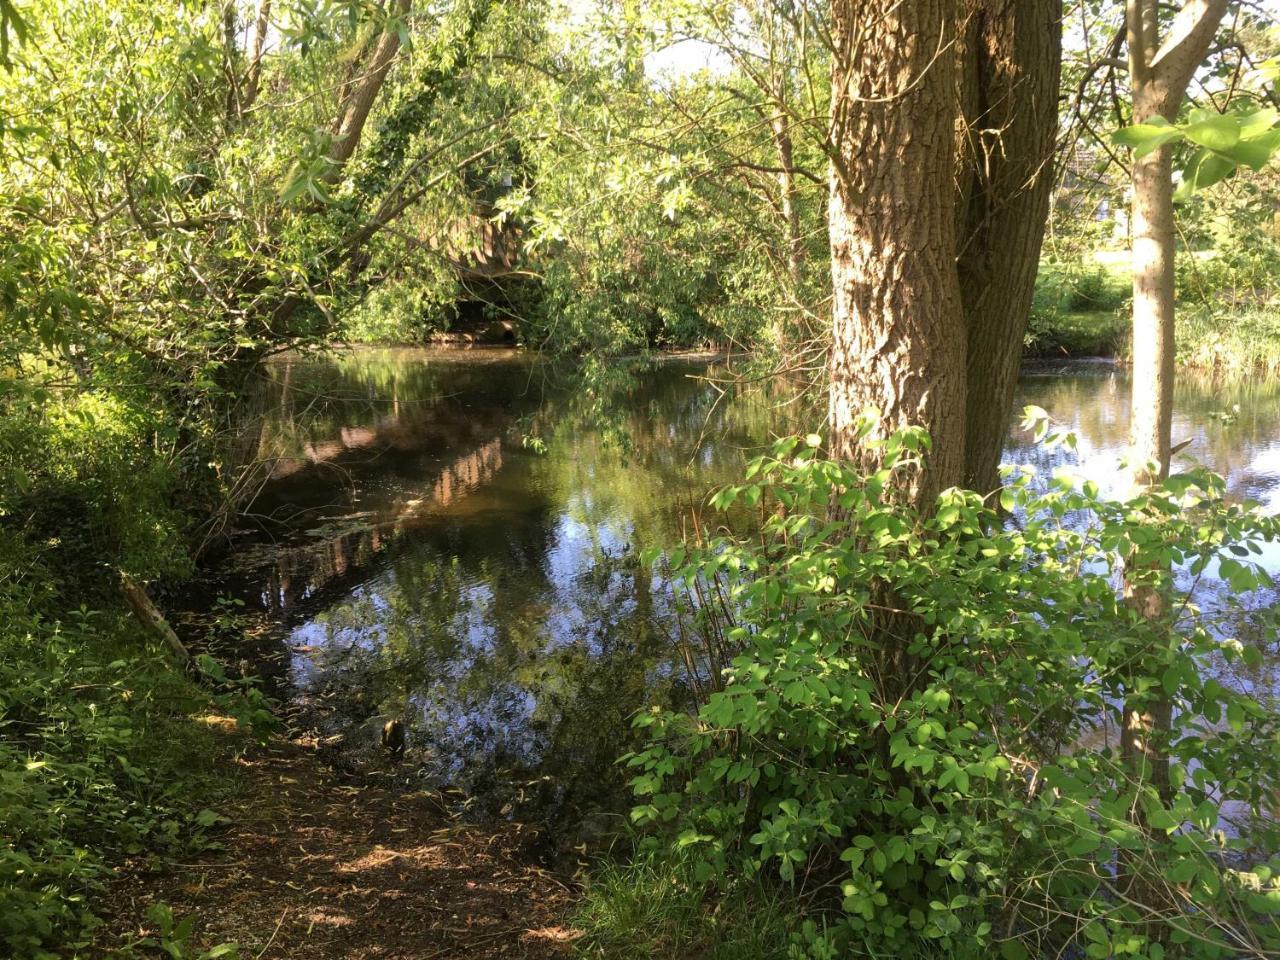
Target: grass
point(1079, 309)
point(1081, 333)
point(650, 908)
point(1082, 310)
point(1243, 342)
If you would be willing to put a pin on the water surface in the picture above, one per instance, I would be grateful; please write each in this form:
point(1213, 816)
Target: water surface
point(452, 538)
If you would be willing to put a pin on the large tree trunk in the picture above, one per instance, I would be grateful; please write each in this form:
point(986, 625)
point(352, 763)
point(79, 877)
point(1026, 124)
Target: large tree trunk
point(362, 93)
point(898, 331)
point(1010, 62)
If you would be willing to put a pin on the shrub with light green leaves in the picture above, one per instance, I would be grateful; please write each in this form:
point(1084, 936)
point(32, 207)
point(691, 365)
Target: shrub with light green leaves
point(913, 728)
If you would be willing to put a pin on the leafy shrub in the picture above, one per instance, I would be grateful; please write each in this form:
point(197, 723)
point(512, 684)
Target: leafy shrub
point(1076, 309)
point(652, 908)
point(913, 716)
point(90, 766)
point(86, 478)
point(1239, 228)
point(99, 757)
point(402, 311)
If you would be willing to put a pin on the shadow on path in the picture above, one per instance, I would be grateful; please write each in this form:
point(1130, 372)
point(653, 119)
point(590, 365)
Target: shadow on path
point(318, 867)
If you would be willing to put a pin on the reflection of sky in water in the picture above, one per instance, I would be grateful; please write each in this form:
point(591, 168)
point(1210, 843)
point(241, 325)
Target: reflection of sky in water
point(505, 621)
point(1094, 403)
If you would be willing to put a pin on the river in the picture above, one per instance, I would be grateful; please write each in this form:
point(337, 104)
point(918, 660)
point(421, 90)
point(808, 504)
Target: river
point(451, 537)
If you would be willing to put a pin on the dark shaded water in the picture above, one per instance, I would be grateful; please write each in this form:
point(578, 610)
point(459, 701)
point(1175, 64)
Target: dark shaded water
point(452, 538)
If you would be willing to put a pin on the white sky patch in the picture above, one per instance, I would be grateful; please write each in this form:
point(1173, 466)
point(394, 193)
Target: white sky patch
point(687, 57)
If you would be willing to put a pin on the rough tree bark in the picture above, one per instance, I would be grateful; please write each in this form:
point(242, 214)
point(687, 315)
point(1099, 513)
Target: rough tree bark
point(1011, 55)
point(898, 330)
point(934, 271)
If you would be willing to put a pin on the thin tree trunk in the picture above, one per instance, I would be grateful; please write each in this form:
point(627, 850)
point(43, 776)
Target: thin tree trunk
point(1159, 73)
point(783, 325)
point(230, 63)
point(253, 75)
point(1151, 413)
point(149, 616)
point(788, 196)
point(898, 331)
point(1011, 56)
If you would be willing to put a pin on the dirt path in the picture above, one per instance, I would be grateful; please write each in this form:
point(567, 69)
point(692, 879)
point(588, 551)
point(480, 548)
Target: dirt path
point(320, 868)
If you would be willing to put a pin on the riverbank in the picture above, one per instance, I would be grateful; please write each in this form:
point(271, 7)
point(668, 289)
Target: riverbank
point(315, 865)
point(1081, 309)
point(1233, 343)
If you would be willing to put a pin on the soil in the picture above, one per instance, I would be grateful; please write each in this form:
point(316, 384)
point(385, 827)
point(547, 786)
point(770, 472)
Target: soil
point(318, 865)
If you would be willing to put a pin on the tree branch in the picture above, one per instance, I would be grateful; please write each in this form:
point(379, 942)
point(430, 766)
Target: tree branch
point(1190, 35)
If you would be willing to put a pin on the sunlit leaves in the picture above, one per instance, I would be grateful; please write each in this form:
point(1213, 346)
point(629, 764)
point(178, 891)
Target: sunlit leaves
point(1223, 142)
point(943, 796)
point(12, 27)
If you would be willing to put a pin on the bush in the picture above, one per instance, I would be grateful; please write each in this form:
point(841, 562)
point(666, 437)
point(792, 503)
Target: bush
point(1076, 309)
point(88, 480)
point(98, 760)
point(402, 311)
point(100, 757)
point(907, 715)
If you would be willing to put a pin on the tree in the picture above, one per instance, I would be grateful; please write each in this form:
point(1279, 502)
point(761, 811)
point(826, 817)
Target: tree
point(898, 334)
point(1160, 68)
point(935, 237)
point(1010, 72)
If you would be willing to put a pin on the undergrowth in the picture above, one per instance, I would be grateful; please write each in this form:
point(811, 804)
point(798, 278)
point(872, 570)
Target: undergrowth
point(102, 757)
point(898, 743)
point(103, 752)
point(652, 908)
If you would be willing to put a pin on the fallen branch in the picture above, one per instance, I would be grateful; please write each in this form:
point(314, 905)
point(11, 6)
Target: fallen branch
point(149, 616)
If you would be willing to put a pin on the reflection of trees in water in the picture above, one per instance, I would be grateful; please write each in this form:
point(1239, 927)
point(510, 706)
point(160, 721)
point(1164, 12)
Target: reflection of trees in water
point(497, 684)
point(490, 595)
point(299, 573)
point(517, 637)
point(1096, 404)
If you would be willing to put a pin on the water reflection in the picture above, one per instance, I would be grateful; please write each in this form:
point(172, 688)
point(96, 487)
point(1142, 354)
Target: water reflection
point(455, 542)
point(1233, 426)
point(454, 539)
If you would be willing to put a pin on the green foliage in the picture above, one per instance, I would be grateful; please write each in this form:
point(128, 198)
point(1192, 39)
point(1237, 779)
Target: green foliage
point(173, 936)
point(1219, 143)
point(913, 715)
point(1241, 342)
point(91, 478)
point(98, 759)
point(401, 311)
point(652, 906)
point(1077, 309)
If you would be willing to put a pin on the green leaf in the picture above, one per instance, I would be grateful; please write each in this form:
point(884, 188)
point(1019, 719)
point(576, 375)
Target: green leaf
point(1204, 170)
point(1257, 123)
point(1216, 132)
point(1255, 152)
